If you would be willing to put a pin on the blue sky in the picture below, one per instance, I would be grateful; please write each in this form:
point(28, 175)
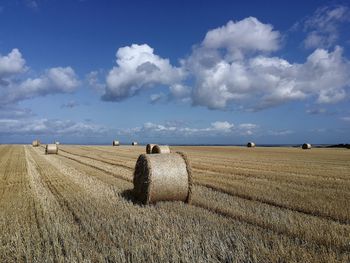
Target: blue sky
point(174, 71)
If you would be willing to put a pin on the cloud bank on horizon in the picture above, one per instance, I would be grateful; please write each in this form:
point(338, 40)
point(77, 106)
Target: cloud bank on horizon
point(238, 66)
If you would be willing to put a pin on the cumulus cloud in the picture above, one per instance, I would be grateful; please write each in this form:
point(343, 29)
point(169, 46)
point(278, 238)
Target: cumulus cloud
point(260, 81)
point(138, 68)
point(324, 25)
point(11, 64)
point(247, 35)
point(54, 80)
point(49, 127)
point(233, 67)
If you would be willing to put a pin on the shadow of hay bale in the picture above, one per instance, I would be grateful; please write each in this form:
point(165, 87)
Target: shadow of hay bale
point(129, 195)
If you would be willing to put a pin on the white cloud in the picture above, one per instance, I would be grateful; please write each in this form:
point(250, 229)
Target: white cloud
point(243, 36)
point(12, 63)
point(221, 128)
point(49, 127)
point(138, 68)
point(324, 26)
point(54, 80)
point(260, 82)
point(232, 68)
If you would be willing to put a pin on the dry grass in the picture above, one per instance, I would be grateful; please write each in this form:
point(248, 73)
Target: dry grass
point(266, 205)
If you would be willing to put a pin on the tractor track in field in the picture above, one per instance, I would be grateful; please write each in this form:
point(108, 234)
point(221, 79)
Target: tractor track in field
point(98, 168)
point(100, 160)
point(56, 188)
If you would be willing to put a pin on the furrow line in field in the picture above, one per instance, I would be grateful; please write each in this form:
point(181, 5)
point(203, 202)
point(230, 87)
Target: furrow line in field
point(315, 244)
point(98, 168)
point(96, 159)
point(56, 190)
point(296, 183)
point(275, 204)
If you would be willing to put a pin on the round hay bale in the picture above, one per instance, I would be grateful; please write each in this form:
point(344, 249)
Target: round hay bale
point(57, 143)
point(306, 146)
point(115, 143)
point(134, 143)
point(161, 149)
point(250, 144)
point(35, 143)
point(149, 148)
point(163, 177)
point(51, 149)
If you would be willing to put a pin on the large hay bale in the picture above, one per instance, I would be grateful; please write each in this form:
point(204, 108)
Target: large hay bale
point(115, 143)
point(306, 146)
point(51, 149)
point(134, 143)
point(163, 177)
point(250, 144)
point(161, 149)
point(149, 148)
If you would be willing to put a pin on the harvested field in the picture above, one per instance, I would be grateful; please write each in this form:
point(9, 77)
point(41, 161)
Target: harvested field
point(260, 205)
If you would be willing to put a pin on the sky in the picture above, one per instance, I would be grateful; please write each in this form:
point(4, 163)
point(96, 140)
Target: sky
point(175, 72)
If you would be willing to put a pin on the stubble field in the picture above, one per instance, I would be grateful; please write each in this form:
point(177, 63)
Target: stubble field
point(249, 205)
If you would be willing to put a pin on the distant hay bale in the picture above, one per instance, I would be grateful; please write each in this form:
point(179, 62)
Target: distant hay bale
point(250, 144)
point(163, 177)
point(161, 149)
point(115, 143)
point(57, 143)
point(51, 149)
point(35, 143)
point(306, 146)
point(149, 148)
point(134, 143)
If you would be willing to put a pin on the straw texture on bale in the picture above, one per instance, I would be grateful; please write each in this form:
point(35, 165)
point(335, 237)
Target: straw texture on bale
point(161, 149)
point(51, 149)
point(306, 146)
point(115, 143)
point(149, 148)
point(163, 177)
point(250, 144)
point(134, 143)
